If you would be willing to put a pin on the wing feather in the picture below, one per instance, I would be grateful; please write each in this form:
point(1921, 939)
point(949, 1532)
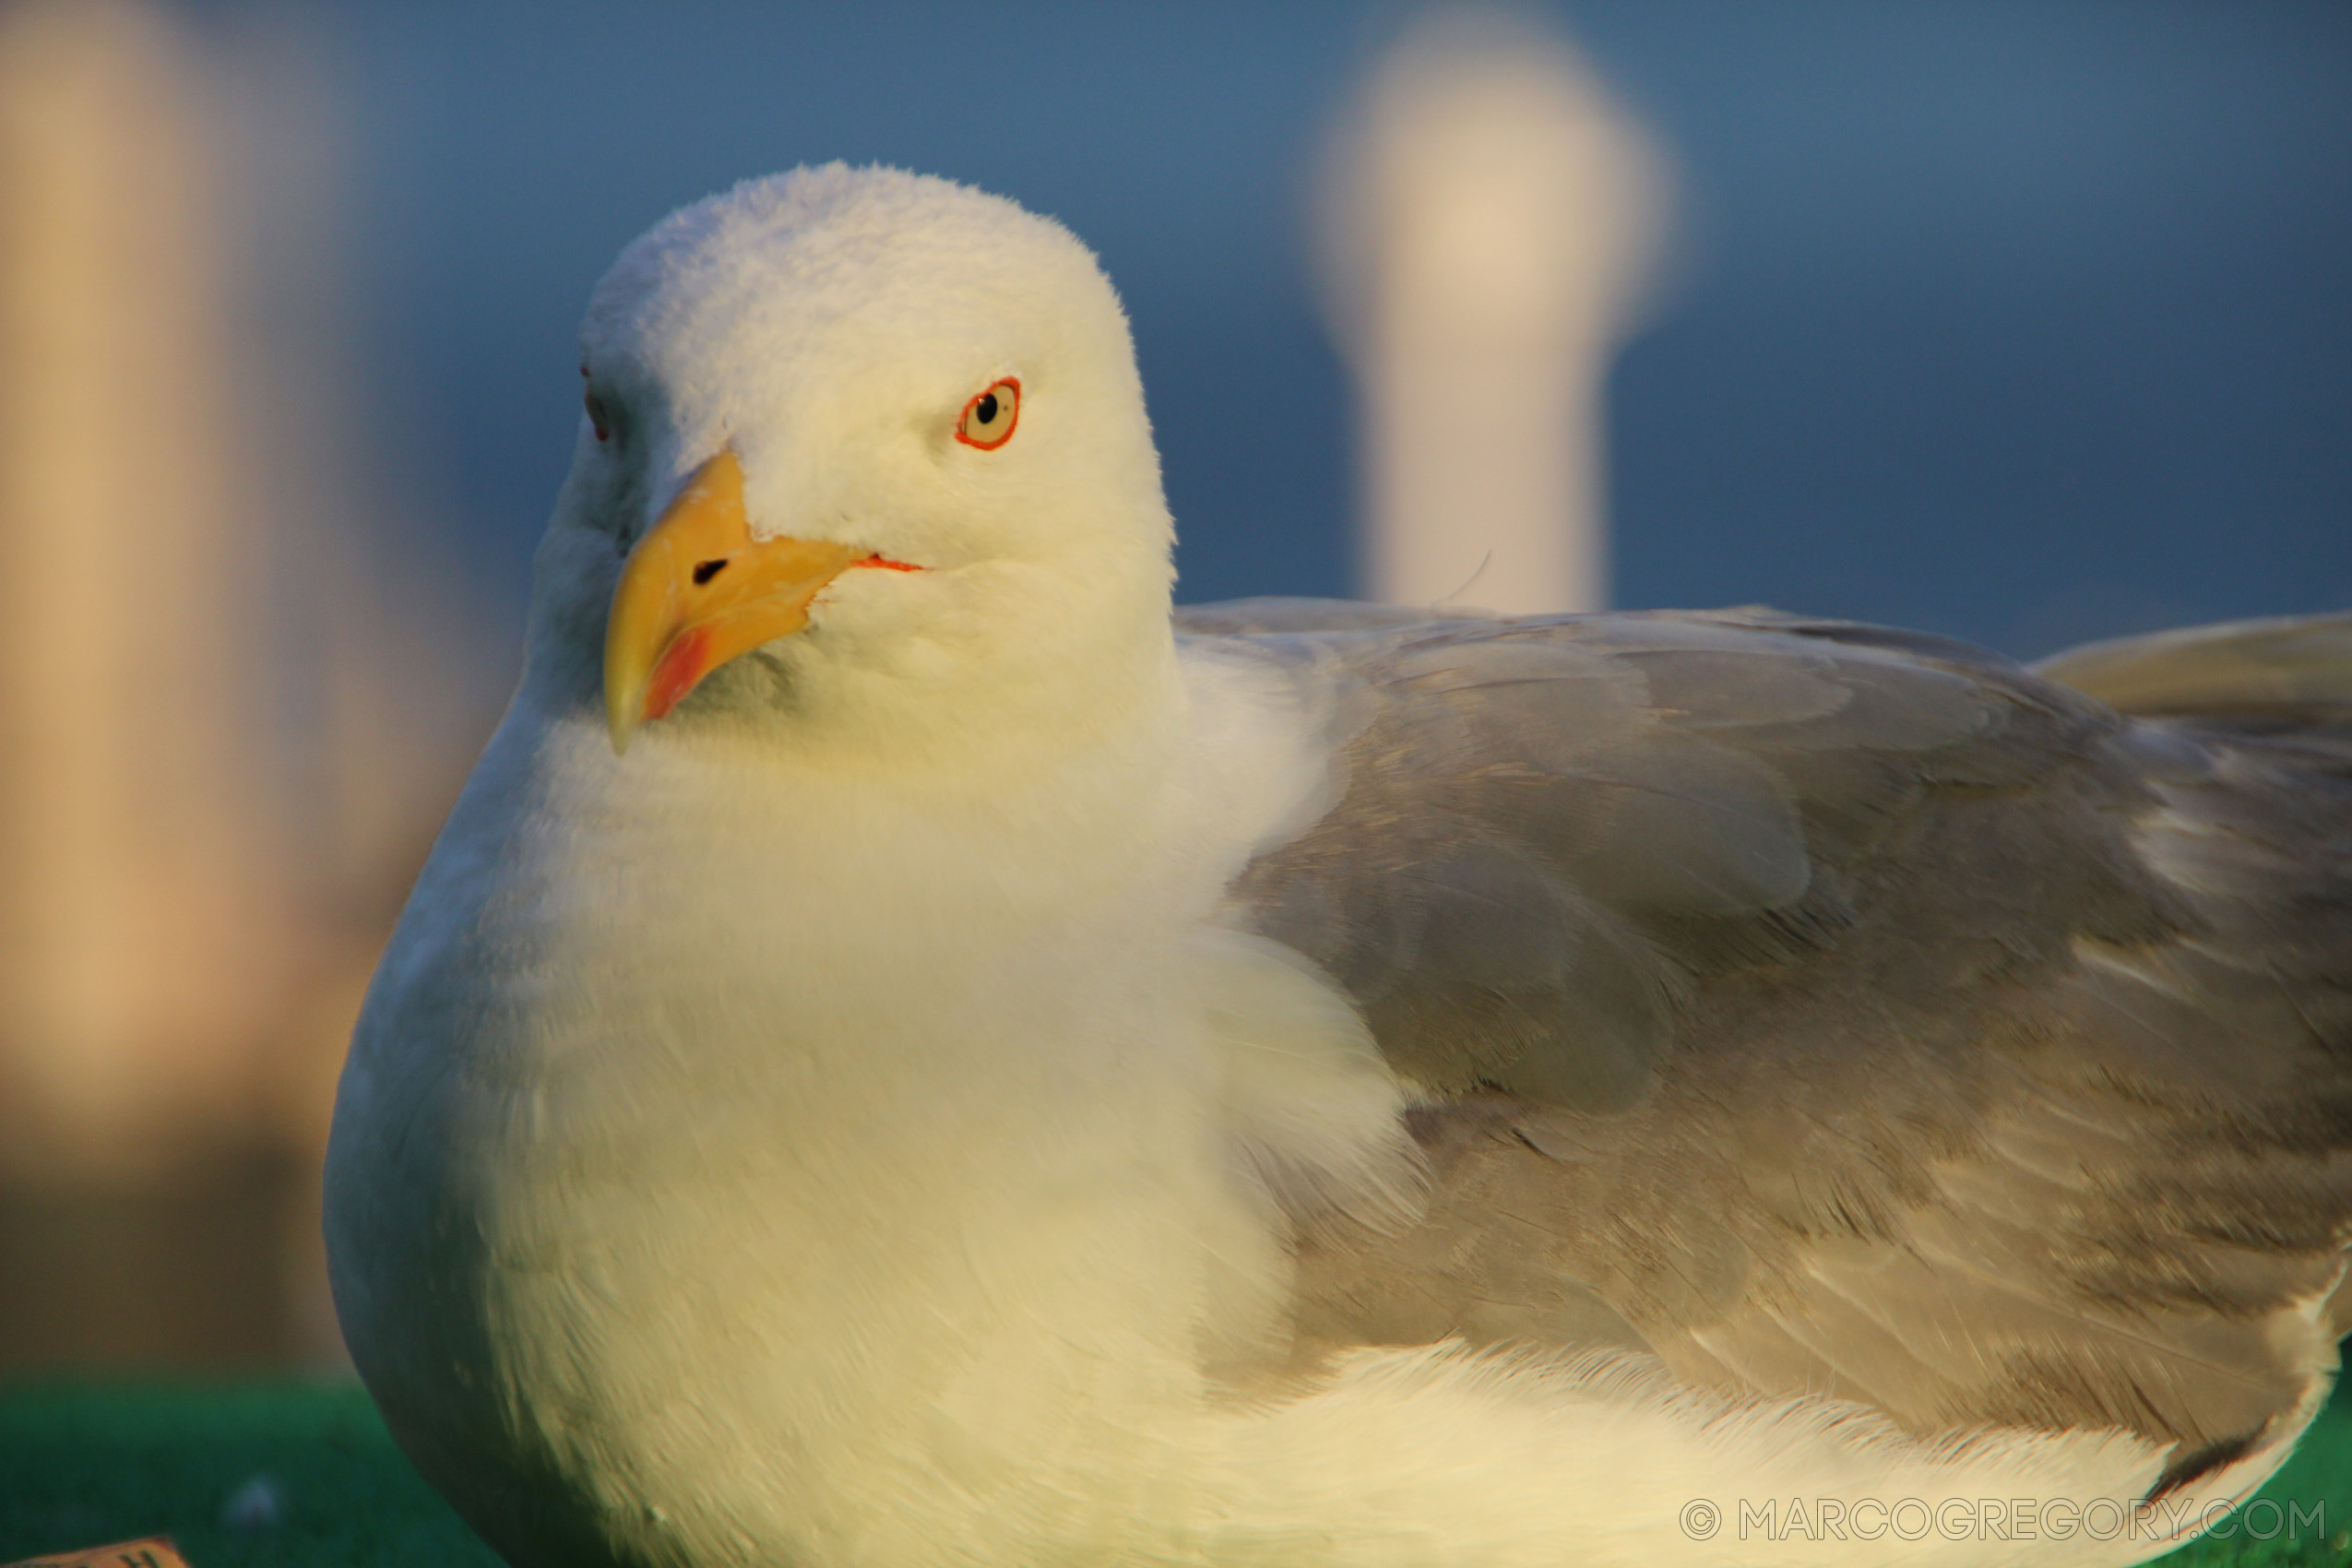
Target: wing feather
point(1826, 1009)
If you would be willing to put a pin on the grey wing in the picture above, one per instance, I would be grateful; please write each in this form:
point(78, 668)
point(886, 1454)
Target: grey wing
point(1829, 1010)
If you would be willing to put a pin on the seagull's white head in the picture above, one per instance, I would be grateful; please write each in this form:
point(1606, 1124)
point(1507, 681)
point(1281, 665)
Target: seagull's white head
point(864, 448)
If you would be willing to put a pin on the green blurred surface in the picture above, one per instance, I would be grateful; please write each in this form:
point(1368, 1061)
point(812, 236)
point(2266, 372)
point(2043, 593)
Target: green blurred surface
point(82, 1464)
point(85, 1463)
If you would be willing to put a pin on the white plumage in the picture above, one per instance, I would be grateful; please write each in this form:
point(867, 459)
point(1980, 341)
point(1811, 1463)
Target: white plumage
point(861, 1125)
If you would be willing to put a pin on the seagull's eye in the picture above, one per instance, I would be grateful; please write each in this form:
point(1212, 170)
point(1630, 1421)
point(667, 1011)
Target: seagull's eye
point(989, 419)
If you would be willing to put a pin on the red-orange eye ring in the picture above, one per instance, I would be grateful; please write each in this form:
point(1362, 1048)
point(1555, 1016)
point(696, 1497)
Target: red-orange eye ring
point(988, 420)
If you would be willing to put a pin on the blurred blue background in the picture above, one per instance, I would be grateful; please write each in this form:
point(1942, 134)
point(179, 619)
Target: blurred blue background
point(2023, 322)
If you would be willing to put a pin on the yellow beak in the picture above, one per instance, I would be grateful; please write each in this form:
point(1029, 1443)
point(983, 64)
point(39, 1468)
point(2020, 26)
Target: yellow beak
point(698, 591)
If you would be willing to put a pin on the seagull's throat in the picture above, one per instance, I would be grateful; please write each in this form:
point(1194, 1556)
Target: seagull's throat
point(700, 590)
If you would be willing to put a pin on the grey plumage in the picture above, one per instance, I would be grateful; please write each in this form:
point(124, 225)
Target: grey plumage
point(1828, 1009)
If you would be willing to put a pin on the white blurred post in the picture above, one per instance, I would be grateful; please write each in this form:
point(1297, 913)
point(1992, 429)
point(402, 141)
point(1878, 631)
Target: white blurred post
point(1490, 220)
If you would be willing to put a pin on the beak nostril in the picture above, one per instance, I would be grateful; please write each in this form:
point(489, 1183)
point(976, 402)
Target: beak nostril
point(708, 569)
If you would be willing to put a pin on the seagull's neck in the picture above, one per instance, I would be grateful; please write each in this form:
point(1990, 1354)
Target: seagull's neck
point(1076, 699)
point(925, 818)
point(815, 813)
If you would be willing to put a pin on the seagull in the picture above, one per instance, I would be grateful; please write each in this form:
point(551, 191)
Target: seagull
point(907, 1051)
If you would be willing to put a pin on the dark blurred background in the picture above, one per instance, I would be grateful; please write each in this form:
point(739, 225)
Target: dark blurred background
point(2029, 323)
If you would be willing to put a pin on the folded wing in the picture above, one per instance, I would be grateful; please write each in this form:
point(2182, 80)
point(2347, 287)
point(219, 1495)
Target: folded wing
point(1829, 1010)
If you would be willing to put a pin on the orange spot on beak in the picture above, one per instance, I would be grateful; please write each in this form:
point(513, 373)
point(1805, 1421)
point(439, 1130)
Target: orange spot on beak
point(680, 668)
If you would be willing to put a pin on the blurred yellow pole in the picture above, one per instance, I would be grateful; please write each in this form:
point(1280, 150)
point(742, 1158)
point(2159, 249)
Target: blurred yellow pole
point(138, 934)
point(229, 720)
